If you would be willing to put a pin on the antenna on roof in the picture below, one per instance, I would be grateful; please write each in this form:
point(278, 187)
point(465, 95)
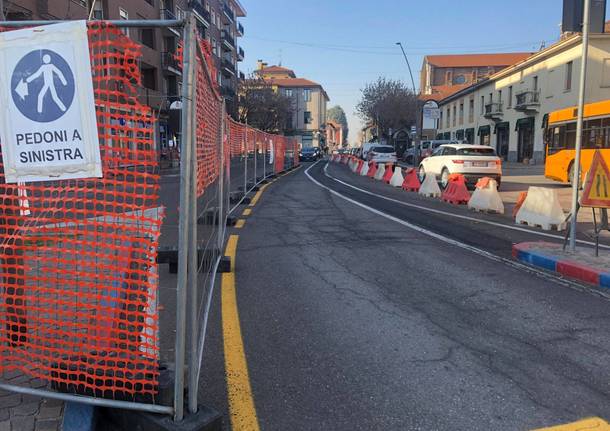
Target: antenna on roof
point(542, 45)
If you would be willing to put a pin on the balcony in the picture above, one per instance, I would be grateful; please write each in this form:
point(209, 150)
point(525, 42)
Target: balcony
point(240, 54)
point(527, 100)
point(169, 14)
point(228, 13)
point(227, 41)
point(227, 67)
point(169, 63)
point(227, 91)
point(240, 29)
point(198, 7)
point(493, 111)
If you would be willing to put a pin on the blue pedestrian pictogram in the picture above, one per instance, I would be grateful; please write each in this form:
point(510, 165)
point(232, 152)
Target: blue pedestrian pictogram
point(42, 86)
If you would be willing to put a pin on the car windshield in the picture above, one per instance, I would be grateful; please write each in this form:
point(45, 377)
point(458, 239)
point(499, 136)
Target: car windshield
point(383, 150)
point(484, 151)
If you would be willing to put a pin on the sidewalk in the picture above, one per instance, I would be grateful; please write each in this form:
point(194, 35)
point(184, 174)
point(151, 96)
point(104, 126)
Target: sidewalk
point(28, 413)
point(581, 265)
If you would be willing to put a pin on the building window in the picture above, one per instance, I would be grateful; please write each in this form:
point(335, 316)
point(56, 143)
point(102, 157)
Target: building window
point(147, 36)
point(448, 124)
point(454, 115)
point(440, 120)
point(307, 117)
point(482, 105)
point(568, 83)
point(307, 95)
point(510, 96)
point(461, 113)
point(471, 111)
point(124, 15)
point(459, 79)
point(535, 83)
point(149, 79)
point(289, 92)
point(499, 96)
point(98, 10)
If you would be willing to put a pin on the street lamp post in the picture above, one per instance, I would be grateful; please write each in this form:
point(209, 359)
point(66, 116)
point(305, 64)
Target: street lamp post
point(408, 65)
point(579, 124)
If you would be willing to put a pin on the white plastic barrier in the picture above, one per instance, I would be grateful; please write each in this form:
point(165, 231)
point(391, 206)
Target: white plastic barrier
point(365, 169)
point(397, 179)
point(380, 172)
point(430, 187)
point(542, 208)
point(487, 199)
point(354, 166)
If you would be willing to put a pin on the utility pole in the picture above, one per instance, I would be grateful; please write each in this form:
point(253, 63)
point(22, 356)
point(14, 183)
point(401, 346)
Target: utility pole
point(408, 65)
point(579, 123)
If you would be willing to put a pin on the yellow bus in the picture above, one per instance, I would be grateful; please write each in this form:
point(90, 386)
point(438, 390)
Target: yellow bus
point(560, 139)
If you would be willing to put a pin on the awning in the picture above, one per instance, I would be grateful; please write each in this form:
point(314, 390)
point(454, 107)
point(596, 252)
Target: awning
point(545, 121)
point(470, 131)
point(484, 130)
point(439, 136)
point(447, 135)
point(459, 134)
point(502, 125)
point(524, 122)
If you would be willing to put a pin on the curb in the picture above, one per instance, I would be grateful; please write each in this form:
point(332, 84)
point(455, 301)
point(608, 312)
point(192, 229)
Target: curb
point(569, 268)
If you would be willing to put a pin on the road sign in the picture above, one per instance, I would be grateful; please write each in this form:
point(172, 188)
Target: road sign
point(597, 186)
point(48, 127)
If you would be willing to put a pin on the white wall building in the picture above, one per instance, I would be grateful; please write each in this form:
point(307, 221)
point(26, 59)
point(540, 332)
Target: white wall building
point(509, 109)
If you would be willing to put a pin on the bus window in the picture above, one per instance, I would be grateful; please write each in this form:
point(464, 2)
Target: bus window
point(570, 136)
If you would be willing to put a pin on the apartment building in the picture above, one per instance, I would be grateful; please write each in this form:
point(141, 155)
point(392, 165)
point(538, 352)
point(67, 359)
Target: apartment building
point(309, 101)
point(217, 22)
point(443, 75)
point(509, 109)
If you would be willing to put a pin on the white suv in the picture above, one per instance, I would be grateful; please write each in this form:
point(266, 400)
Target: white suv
point(472, 161)
point(381, 154)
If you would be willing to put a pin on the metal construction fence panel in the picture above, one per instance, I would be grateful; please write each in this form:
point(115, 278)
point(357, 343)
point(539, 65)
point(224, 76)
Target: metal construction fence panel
point(86, 309)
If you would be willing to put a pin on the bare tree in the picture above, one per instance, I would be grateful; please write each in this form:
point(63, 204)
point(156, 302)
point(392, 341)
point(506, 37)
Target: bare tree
point(389, 104)
point(263, 108)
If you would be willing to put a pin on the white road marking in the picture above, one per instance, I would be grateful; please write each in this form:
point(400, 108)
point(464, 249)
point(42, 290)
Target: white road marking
point(463, 217)
point(514, 264)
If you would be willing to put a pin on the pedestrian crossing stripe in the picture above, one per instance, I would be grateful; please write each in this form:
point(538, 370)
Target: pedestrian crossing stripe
point(597, 186)
point(591, 424)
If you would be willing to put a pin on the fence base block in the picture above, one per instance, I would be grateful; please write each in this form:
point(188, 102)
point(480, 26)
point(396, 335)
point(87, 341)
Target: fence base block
point(231, 221)
point(247, 201)
point(206, 419)
point(225, 265)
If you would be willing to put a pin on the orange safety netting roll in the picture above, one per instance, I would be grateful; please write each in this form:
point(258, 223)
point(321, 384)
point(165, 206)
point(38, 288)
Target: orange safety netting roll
point(78, 282)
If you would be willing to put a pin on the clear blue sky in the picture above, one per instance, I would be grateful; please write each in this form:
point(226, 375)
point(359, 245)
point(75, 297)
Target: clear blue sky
point(344, 44)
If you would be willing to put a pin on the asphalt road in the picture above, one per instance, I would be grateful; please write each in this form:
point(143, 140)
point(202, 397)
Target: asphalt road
point(353, 321)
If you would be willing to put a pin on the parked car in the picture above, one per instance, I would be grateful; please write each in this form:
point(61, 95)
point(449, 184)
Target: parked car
point(381, 154)
point(309, 154)
point(472, 161)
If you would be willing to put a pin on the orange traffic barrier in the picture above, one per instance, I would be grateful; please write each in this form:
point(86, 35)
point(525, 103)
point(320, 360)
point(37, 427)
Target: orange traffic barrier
point(519, 204)
point(456, 192)
point(389, 171)
point(411, 182)
point(359, 168)
point(372, 170)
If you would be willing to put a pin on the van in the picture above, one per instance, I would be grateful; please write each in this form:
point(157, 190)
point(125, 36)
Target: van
point(366, 148)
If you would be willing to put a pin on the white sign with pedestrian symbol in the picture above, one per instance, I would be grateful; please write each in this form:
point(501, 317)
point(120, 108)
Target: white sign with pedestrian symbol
point(49, 129)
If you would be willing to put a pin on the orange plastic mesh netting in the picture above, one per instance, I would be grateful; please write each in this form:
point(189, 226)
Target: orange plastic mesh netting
point(78, 275)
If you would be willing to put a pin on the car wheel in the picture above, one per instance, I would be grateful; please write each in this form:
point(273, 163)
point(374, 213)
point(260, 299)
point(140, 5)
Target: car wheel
point(421, 174)
point(445, 178)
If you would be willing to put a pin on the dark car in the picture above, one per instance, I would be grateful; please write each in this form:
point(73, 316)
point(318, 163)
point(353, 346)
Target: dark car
point(309, 154)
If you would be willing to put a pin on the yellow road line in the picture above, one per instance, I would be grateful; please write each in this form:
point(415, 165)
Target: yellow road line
point(241, 401)
point(240, 223)
point(247, 212)
point(591, 424)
